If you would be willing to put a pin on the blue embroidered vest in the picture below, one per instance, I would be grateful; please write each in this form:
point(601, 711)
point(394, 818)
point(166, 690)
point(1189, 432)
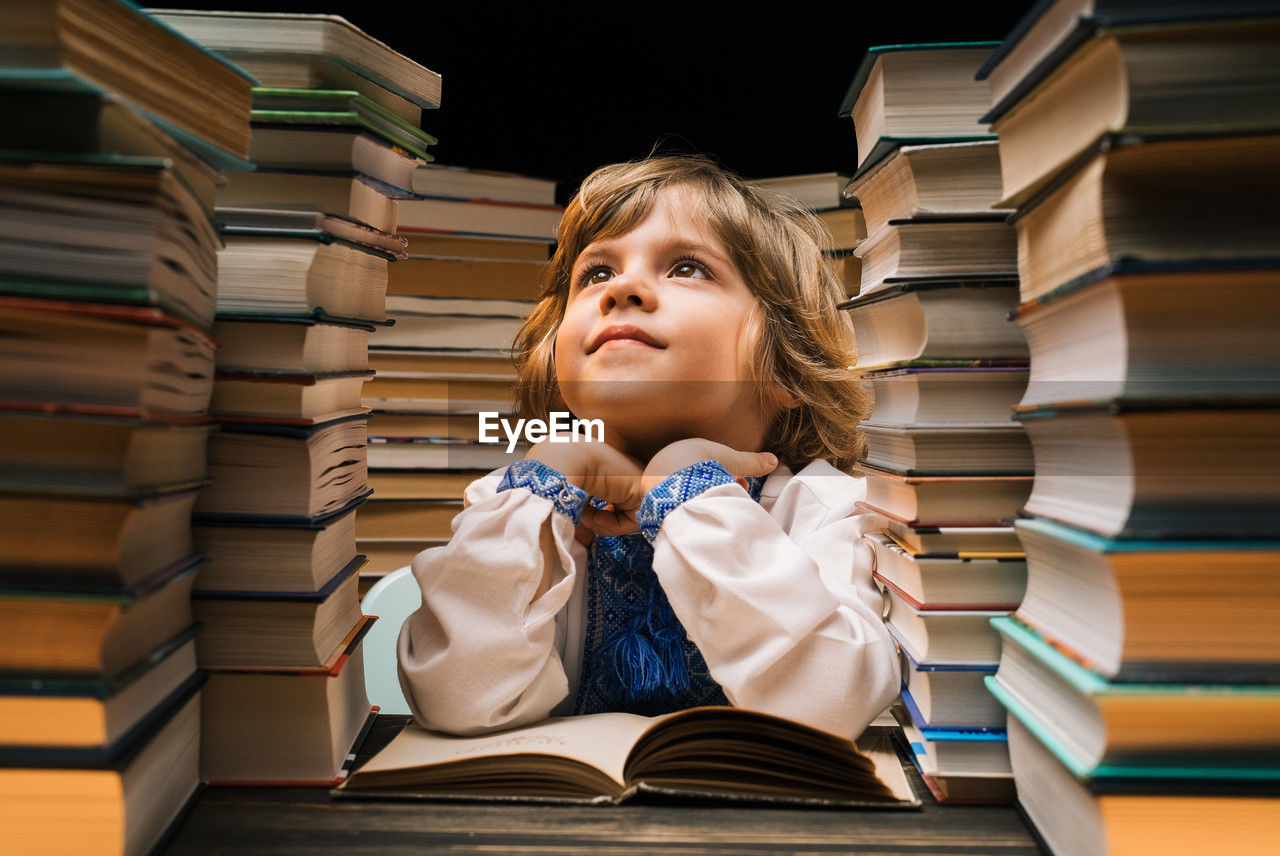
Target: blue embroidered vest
point(637, 657)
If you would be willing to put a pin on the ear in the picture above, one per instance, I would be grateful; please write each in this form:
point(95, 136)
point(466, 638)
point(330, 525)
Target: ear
point(781, 396)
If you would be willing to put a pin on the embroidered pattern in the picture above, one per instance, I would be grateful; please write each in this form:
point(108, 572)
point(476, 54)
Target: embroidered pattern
point(637, 656)
point(675, 489)
point(548, 483)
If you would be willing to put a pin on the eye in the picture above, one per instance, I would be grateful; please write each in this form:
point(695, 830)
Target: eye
point(595, 276)
point(690, 268)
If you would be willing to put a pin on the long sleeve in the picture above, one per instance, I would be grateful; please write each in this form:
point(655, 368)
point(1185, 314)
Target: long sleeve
point(777, 596)
point(483, 653)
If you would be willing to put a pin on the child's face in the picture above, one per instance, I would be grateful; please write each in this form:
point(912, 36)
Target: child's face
point(655, 340)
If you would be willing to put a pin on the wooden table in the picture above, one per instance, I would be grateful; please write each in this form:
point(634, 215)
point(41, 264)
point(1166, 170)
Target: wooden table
point(303, 822)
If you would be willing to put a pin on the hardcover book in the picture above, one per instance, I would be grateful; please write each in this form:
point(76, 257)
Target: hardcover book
point(915, 94)
point(707, 752)
point(1109, 604)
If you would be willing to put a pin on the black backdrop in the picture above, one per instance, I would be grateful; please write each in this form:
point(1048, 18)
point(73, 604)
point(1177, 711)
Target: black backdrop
point(557, 89)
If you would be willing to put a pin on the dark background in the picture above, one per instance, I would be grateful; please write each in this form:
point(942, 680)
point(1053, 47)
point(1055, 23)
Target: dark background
point(557, 89)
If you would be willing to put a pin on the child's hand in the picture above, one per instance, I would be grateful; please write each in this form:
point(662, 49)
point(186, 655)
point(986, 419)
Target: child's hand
point(682, 453)
point(601, 471)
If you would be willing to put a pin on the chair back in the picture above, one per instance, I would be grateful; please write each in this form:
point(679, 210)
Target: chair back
point(393, 599)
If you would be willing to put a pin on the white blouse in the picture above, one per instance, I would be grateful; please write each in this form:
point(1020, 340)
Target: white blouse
point(777, 596)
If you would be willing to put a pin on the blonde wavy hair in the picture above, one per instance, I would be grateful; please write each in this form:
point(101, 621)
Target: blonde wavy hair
point(806, 344)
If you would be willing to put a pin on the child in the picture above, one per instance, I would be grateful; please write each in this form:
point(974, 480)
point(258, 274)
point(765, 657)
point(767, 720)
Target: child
point(658, 570)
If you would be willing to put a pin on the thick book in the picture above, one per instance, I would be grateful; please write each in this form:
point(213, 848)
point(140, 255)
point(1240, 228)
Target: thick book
point(308, 277)
point(99, 358)
point(306, 347)
point(1137, 81)
point(1155, 333)
point(407, 519)
point(946, 396)
point(1133, 200)
point(288, 398)
point(944, 500)
point(347, 196)
point(286, 727)
point(950, 582)
point(951, 696)
point(942, 637)
point(1175, 483)
point(467, 277)
point(440, 323)
point(932, 181)
point(411, 384)
point(846, 229)
point(304, 39)
point(86, 632)
point(814, 191)
point(1100, 817)
point(958, 541)
point(95, 540)
point(276, 628)
point(709, 752)
point(1109, 604)
point(480, 218)
point(114, 46)
point(106, 228)
point(113, 455)
point(943, 323)
point(127, 804)
point(279, 558)
point(73, 124)
point(465, 183)
point(959, 766)
point(316, 225)
point(982, 449)
point(285, 470)
point(447, 484)
point(1132, 730)
point(50, 715)
point(304, 147)
point(1053, 30)
point(907, 250)
point(491, 363)
point(478, 246)
point(321, 108)
point(915, 93)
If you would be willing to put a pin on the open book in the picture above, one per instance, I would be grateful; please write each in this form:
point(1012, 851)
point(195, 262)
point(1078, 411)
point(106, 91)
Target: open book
point(717, 752)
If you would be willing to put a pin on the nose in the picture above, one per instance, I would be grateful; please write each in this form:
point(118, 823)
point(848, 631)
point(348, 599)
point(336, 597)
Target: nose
point(628, 289)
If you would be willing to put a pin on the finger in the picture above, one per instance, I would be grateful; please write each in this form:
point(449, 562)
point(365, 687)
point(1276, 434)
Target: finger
point(609, 523)
point(750, 464)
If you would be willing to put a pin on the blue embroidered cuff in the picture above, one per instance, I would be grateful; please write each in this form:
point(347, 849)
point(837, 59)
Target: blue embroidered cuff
point(676, 488)
point(548, 483)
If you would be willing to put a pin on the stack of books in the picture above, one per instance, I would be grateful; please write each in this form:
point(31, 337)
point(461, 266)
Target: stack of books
point(109, 153)
point(823, 194)
point(946, 467)
point(1141, 149)
point(302, 282)
point(476, 257)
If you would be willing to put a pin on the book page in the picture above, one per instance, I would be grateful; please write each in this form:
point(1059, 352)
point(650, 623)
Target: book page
point(888, 767)
point(600, 740)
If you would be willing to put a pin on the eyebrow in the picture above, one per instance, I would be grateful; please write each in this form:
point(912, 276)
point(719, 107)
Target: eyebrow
point(673, 247)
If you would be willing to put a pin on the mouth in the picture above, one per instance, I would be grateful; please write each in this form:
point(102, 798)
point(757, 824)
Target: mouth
point(624, 334)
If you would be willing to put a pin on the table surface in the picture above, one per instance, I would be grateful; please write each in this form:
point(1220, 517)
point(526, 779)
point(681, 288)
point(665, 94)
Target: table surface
point(297, 821)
